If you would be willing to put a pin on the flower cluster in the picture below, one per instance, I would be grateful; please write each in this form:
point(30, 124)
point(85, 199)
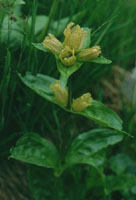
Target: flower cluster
point(81, 103)
point(61, 96)
point(60, 93)
point(72, 49)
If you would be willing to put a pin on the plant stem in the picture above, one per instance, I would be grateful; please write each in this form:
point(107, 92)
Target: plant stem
point(69, 92)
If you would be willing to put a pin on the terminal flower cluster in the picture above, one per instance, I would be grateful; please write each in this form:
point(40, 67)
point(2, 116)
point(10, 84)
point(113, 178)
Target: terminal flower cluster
point(72, 50)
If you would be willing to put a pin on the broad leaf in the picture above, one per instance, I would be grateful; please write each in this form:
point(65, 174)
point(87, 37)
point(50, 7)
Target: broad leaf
point(31, 148)
point(100, 60)
point(40, 84)
point(97, 111)
point(103, 115)
point(40, 47)
point(86, 145)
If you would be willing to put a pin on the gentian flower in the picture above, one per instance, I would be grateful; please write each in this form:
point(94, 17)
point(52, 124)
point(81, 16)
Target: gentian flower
point(72, 49)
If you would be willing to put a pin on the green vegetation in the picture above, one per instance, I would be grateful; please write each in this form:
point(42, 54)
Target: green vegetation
point(71, 155)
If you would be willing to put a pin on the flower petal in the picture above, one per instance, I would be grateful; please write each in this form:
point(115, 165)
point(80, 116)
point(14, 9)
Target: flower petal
point(51, 43)
point(74, 36)
point(81, 103)
point(88, 54)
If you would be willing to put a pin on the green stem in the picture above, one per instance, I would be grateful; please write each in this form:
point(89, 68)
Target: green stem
point(51, 14)
point(58, 127)
point(69, 92)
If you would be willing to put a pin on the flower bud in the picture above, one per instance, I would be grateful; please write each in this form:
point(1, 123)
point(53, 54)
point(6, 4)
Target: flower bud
point(51, 43)
point(74, 36)
point(81, 103)
point(60, 93)
point(67, 56)
point(90, 53)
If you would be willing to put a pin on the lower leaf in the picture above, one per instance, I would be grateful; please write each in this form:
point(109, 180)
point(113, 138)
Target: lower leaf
point(86, 145)
point(33, 149)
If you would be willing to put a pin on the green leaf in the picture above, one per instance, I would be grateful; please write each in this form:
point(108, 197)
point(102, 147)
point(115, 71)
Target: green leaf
point(100, 60)
point(103, 115)
point(87, 40)
point(40, 84)
point(97, 111)
point(31, 148)
point(86, 145)
point(65, 71)
point(40, 47)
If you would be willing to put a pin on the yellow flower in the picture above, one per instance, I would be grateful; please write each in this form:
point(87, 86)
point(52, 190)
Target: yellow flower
point(60, 93)
point(51, 43)
point(74, 36)
point(81, 103)
point(67, 56)
point(90, 53)
point(72, 49)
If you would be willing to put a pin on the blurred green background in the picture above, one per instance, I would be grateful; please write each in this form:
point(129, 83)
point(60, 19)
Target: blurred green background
point(113, 24)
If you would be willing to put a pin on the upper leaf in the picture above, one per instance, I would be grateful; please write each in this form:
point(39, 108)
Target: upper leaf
point(101, 60)
point(97, 111)
point(40, 84)
point(31, 148)
point(103, 115)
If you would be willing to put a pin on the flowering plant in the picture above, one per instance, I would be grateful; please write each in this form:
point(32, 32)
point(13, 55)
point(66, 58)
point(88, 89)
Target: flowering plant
point(70, 56)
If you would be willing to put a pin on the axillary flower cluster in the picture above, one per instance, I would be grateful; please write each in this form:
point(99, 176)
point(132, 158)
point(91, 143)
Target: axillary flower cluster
point(70, 52)
point(61, 95)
